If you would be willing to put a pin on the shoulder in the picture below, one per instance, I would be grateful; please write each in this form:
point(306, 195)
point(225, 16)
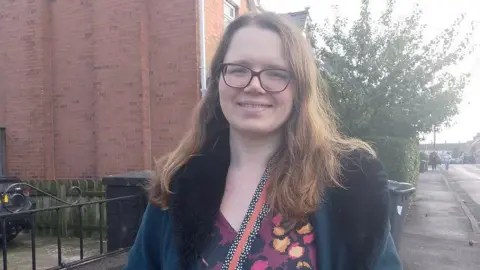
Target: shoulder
point(156, 227)
point(156, 218)
point(360, 207)
point(146, 253)
point(365, 184)
point(363, 171)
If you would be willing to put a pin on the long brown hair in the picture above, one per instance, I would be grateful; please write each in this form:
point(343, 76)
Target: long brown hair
point(309, 163)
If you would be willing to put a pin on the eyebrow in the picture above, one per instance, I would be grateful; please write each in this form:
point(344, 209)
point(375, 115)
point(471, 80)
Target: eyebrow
point(268, 66)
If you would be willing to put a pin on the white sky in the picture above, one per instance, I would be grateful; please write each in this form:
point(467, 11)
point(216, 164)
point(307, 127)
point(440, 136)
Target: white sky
point(437, 17)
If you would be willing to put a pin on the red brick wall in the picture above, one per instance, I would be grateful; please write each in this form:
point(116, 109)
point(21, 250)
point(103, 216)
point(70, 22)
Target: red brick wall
point(24, 65)
point(214, 24)
point(73, 75)
point(175, 80)
point(213, 27)
point(244, 7)
point(95, 87)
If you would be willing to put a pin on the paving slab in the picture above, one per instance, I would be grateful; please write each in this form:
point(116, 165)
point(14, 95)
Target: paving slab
point(19, 251)
point(420, 252)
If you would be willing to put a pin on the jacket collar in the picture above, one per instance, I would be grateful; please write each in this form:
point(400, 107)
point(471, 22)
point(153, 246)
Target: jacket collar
point(357, 215)
point(198, 189)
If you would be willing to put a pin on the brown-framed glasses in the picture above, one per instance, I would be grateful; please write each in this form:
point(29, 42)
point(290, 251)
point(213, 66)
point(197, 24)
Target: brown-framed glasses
point(271, 80)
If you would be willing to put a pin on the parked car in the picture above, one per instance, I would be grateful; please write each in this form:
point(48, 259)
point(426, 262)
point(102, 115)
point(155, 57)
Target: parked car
point(16, 199)
point(469, 159)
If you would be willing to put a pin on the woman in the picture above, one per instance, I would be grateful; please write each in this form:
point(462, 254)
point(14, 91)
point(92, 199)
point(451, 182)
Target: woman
point(263, 179)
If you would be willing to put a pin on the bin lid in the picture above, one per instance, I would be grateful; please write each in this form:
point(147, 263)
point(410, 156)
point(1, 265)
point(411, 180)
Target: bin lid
point(9, 179)
point(400, 187)
point(135, 178)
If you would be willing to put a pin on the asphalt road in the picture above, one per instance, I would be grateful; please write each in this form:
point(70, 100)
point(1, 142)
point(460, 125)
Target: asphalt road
point(465, 181)
point(438, 233)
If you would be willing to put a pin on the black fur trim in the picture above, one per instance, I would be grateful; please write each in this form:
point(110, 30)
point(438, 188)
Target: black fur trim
point(359, 212)
point(198, 190)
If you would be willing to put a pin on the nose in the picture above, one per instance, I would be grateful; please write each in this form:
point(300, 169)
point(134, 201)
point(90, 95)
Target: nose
point(254, 86)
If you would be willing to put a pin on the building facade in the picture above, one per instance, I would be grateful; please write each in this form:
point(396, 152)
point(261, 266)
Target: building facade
point(96, 87)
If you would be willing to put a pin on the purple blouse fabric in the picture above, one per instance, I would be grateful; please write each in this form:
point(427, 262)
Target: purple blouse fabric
point(274, 248)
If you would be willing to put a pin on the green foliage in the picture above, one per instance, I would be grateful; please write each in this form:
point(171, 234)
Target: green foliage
point(400, 157)
point(385, 78)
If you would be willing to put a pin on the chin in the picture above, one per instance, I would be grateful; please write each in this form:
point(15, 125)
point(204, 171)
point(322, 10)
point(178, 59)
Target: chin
point(253, 128)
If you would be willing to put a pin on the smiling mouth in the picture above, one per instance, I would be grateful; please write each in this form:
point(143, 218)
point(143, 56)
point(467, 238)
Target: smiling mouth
point(252, 105)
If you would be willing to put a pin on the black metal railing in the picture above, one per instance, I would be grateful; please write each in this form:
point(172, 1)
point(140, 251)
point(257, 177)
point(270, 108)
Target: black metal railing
point(30, 216)
point(17, 191)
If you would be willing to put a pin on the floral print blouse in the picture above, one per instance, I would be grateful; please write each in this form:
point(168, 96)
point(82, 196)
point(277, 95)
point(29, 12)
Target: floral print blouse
point(274, 247)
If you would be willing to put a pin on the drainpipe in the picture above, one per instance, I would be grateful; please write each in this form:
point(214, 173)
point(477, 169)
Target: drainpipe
point(203, 62)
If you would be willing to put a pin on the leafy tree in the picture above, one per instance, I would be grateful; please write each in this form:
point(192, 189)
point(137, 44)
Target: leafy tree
point(385, 78)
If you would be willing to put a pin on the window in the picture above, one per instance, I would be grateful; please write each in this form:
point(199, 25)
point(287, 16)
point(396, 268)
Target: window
point(2, 152)
point(229, 13)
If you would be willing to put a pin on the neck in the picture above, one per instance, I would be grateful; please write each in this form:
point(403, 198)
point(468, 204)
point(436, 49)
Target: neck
point(251, 150)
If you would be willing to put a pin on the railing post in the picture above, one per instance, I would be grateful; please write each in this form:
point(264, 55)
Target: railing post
point(59, 240)
point(100, 209)
point(125, 214)
point(80, 221)
point(32, 237)
point(4, 243)
point(137, 199)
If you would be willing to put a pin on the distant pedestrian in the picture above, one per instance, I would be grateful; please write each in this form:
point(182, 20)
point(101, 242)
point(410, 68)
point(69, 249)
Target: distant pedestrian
point(448, 159)
point(433, 160)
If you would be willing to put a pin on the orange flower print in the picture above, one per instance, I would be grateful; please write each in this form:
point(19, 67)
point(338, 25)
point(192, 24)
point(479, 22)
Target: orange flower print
point(307, 228)
point(281, 245)
point(303, 265)
point(278, 231)
point(296, 251)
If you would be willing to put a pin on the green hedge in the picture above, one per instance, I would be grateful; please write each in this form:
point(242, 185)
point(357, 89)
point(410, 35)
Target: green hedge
point(401, 157)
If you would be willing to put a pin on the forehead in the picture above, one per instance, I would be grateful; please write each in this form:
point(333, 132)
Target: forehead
point(256, 47)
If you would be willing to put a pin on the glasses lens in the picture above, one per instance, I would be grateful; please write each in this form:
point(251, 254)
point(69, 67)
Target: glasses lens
point(274, 79)
point(236, 76)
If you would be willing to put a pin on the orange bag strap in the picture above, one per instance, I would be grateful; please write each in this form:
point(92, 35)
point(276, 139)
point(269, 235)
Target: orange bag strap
point(248, 229)
point(257, 210)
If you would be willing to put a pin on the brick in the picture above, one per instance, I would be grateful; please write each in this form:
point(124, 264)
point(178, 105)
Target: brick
point(214, 24)
point(23, 68)
point(96, 87)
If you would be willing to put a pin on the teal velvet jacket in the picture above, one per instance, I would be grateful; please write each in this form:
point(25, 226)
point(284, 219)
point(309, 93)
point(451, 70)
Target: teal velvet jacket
point(351, 226)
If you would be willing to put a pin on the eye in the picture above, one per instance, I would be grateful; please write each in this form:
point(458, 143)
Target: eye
point(277, 74)
point(236, 70)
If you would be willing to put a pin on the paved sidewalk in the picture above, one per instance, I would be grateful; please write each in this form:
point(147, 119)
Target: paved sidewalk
point(438, 234)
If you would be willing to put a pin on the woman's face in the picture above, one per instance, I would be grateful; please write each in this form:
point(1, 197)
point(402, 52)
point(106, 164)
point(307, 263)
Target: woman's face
point(263, 104)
